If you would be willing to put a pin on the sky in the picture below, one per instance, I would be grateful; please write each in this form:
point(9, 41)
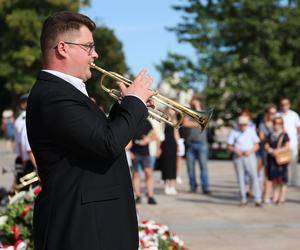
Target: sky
point(141, 27)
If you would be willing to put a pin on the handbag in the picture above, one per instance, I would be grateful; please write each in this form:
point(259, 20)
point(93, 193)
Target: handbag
point(283, 157)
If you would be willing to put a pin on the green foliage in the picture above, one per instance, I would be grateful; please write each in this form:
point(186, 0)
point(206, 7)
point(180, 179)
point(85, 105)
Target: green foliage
point(16, 217)
point(20, 56)
point(169, 244)
point(249, 51)
point(21, 23)
point(181, 67)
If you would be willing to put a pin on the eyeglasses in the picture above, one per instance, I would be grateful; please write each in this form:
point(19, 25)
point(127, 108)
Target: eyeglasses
point(90, 48)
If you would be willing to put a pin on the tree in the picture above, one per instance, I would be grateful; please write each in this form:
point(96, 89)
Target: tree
point(178, 66)
point(20, 58)
point(21, 23)
point(249, 51)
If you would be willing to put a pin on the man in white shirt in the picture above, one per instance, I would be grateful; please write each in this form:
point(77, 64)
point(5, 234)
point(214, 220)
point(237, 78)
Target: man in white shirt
point(292, 128)
point(23, 150)
point(243, 144)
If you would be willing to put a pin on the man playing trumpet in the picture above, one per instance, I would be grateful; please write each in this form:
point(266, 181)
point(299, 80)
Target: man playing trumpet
point(86, 193)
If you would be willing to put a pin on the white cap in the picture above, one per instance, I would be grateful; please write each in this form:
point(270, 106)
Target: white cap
point(243, 120)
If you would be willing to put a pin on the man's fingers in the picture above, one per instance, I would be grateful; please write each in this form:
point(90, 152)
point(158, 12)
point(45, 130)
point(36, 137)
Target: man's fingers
point(122, 87)
point(150, 104)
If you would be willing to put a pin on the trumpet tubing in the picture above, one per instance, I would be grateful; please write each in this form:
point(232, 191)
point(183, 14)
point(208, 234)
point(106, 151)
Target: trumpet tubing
point(201, 117)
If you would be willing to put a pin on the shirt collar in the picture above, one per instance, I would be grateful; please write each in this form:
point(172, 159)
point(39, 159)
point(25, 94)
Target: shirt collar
point(76, 82)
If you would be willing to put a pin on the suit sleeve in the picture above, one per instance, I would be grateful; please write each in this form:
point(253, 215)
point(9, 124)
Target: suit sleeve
point(76, 125)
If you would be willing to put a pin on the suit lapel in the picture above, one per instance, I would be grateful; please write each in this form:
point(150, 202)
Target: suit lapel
point(70, 89)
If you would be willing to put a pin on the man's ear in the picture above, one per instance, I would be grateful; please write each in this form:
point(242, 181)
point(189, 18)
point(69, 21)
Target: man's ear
point(62, 49)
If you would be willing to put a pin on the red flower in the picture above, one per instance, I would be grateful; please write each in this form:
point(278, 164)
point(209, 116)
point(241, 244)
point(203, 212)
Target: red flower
point(37, 190)
point(16, 231)
point(174, 245)
point(149, 231)
point(20, 245)
point(26, 210)
point(142, 243)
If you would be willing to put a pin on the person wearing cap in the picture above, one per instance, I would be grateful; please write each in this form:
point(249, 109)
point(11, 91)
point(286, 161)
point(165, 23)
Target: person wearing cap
point(243, 144)
point(24, 154)
point(8, 128)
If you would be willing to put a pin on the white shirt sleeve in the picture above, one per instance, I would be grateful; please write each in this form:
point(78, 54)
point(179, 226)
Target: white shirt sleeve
point(255, 137)
point(297, 121)
point(26, 144)
point(231, 137)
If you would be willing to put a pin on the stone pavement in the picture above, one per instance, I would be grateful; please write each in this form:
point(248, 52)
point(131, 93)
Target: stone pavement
point(217, 222)
point(214, 222)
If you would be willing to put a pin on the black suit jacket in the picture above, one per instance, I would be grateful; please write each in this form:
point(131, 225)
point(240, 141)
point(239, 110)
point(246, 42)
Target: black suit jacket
point(87, 199)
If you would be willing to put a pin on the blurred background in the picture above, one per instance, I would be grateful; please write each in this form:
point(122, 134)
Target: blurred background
point(233, 54)
point(236, 56)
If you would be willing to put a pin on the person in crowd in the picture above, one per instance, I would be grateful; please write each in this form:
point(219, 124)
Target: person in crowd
point(129, 154)
point(277, 174)
point(157, 136)
point(247, 113)
point(243, 144)
point(168, 157)
point(141, 158)
point(86, 192)
point(265, 128)
point(23, 149)
point(251, 125)
point(7, 125)
point(196, 149)
point(292, 127)
point(180, 155)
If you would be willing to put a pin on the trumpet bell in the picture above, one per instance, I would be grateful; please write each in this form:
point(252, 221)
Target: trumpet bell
point(203, 117)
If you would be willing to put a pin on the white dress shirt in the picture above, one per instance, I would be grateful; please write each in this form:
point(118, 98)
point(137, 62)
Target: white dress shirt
point(22, 144)
point(291, 124)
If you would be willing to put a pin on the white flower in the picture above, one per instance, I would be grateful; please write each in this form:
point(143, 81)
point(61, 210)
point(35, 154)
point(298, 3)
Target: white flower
point(17, 197)
point(3, 220)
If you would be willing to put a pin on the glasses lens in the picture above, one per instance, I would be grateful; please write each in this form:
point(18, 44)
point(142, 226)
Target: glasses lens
point(92, 49)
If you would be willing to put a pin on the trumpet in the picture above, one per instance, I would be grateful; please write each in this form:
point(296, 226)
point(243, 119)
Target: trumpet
point(27, 180)
point(201, 117)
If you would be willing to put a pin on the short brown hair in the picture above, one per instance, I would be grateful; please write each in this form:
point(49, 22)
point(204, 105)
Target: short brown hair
point(278, 118)
point(60, 23)
point(269, 107)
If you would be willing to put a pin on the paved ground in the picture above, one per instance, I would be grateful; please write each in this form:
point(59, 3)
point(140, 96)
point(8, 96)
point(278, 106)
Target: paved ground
point(215, 222)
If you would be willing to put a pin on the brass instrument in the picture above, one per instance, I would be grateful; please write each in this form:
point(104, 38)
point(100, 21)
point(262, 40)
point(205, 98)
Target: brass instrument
point(201, 117)
point(27, 180)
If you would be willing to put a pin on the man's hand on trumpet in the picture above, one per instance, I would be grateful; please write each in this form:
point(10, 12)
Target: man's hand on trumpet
point(140, 88)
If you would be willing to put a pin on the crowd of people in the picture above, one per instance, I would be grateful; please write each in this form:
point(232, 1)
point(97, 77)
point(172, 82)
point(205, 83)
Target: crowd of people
point(158, 146)
point(79, 150)
point(265, 153)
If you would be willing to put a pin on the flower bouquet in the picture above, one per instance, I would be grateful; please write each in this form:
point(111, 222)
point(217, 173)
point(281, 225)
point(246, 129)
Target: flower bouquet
point(16, 227)
point(155, 236)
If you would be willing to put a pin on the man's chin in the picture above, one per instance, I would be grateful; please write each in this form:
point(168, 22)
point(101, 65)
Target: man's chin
point(87, 76)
